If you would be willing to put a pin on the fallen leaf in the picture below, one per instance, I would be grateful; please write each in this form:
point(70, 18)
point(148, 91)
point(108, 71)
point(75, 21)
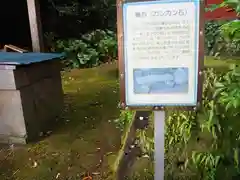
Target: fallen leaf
point(96, 173)
point(35, 164)
point(57, 176)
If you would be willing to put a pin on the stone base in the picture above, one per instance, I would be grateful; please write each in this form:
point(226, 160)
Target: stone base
point(4, 139)
point(31, 98)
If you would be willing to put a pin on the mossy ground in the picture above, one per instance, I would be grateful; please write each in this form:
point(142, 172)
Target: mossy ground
point(85, 138)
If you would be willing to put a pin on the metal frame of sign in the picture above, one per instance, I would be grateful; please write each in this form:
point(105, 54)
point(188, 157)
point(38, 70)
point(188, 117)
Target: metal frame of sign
point(121, 60)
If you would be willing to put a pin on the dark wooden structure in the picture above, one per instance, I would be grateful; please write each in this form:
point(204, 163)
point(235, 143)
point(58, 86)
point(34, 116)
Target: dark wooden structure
point(31, 94)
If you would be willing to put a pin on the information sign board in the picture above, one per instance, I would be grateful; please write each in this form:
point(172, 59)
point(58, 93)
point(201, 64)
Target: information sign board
point(160, 52)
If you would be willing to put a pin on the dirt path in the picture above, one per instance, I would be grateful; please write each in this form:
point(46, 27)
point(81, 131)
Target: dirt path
point(85, 139)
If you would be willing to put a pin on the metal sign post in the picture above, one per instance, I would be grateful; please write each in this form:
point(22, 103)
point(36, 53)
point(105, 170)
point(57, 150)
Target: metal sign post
point(161, 56)
point(159, 122)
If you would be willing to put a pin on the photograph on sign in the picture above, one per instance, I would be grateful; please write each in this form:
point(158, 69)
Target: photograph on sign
point(160, 80)
point(161, 52)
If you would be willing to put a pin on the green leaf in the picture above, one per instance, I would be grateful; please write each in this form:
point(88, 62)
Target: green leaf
point(236, 103)
point(213, 7)
point(202, 158)
point(228, 106)
point(236, 156)
point(217, 92)
point(219, 85)
point(217, 160)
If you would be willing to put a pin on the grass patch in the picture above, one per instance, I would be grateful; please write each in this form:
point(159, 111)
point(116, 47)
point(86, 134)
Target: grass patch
point(220, 64)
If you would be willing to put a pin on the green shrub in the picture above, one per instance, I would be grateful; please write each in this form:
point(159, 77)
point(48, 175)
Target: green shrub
point(227, 35)
point(217, 126)
point(90, 50)
point(222, 38)
point(212, 33)
point(206, 142)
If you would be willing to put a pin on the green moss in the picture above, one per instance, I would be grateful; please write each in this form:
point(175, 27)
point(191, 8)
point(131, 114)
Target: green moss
point(84, 135)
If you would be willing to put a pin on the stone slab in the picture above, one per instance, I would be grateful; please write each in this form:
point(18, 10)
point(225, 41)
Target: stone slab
point(30, 100)
point(11, 114)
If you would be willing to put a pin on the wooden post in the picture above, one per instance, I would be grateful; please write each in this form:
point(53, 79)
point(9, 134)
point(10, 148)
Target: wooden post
point(35, 25)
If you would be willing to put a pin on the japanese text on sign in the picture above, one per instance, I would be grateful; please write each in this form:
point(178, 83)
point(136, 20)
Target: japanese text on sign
point(175, 12)
point(161, 48)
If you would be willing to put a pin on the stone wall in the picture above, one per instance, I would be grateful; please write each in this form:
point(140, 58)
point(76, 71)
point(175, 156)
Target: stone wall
point(31, 98)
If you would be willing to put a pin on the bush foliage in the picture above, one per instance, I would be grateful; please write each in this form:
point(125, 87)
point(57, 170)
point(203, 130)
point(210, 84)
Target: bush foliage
point(206, 143)
point(90, 50)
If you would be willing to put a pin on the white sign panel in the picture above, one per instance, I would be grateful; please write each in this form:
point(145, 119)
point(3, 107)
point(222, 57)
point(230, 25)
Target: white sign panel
point(161, 40)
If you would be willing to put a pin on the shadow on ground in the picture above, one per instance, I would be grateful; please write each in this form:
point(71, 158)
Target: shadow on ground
point(84, 139)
